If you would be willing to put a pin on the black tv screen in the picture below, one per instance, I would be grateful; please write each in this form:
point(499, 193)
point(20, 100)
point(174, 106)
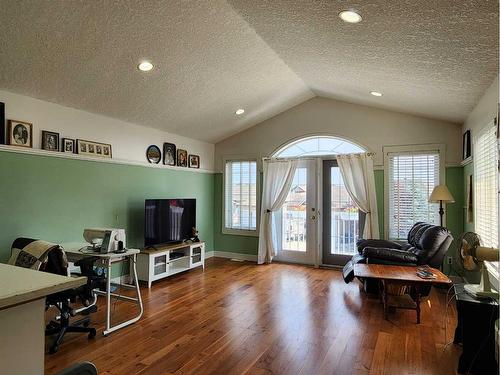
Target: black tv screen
point(168, 220)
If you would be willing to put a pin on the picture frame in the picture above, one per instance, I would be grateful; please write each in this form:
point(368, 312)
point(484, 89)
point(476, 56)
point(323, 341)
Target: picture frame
point(68, 145)
point(169, 154)
point(470, 199)
point(50, 141)
point(92, 148)
point(181, 158)
point(2, 123)
point(153, 154)
point(20, 133)
point(466, 146)
point(194, 161)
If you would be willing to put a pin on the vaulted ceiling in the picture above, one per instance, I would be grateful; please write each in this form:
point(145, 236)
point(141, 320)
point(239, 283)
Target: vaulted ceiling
point(431, 58)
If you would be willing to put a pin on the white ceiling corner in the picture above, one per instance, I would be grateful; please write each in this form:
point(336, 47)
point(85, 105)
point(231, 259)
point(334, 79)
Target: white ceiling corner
point(211, 57)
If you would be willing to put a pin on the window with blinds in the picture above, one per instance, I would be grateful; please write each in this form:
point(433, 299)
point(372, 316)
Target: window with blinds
point(412, 177)
point(485, 186)
point(240, 195)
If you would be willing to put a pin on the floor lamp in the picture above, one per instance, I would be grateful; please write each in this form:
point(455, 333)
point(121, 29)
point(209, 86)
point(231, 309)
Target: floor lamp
point(439, 195)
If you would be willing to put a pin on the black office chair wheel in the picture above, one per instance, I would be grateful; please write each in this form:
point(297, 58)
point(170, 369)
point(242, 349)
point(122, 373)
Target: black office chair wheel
point(53, 349)
point(92, 334)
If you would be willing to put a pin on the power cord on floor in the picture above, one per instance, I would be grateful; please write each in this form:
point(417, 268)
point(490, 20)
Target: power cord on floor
point(448, 302)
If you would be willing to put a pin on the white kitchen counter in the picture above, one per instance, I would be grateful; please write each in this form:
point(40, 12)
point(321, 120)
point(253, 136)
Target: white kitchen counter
point(22, 316)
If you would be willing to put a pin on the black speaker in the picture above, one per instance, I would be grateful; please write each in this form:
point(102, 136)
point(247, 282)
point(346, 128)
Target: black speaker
point(2, 123)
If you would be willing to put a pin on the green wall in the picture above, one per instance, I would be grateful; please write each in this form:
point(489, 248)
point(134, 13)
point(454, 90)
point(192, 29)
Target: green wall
point(249, 245)
point(56, 198)
point(227, 242)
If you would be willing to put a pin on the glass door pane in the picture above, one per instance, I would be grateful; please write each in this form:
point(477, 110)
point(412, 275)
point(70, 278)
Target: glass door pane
point(294, 214)
point(344, 217)
point(342, 221)
point(295, 224)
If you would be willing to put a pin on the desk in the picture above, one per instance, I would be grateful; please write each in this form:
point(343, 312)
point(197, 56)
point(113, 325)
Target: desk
point(22, 316)
point(74, 253)
point(476, 332)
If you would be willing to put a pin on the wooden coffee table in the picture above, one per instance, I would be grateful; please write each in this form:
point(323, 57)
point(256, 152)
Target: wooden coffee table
point(402, 276)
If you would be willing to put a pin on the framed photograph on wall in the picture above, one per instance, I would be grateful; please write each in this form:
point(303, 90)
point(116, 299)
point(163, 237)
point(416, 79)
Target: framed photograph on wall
point(182, 158)
point(169, 154)
point(194, 161)
point(2, 123)
point(153, 154)
point(470, 200)
point(466, 146)
point(91, 148)
point(68, 145)
point(20, 133)
point(50, 141)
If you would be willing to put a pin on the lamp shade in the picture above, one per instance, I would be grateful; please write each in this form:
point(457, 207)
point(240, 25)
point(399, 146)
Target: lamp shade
point(441, 193)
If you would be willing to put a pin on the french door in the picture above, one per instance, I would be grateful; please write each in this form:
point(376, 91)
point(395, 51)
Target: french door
point(342, 220)
point(296, 222)
point(301, 229)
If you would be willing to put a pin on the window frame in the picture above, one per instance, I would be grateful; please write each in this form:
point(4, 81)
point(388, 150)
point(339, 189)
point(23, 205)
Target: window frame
point(410, 150)
point(475, 138)
point(234, 231)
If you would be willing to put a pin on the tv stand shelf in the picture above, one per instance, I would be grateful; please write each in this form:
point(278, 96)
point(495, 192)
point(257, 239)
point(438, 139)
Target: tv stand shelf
point(157, 263)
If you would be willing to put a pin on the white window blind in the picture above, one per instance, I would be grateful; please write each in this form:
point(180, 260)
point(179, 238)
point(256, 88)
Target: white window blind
point(485, 186)
point(412, 177)
point(241, 195)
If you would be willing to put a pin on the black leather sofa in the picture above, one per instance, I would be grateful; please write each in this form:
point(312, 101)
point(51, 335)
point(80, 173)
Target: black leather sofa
point(426, 244)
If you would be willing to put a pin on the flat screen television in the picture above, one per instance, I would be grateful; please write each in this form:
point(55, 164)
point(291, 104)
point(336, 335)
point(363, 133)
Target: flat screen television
point(168, 221)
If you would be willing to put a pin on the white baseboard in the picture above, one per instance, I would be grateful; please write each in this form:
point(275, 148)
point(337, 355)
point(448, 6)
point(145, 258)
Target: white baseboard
point(229, 255)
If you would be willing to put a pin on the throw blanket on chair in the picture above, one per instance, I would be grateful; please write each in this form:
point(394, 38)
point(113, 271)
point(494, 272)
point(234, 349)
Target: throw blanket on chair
point(38, 255)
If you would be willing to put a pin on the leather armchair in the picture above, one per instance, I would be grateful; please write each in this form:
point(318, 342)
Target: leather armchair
point(426, 244)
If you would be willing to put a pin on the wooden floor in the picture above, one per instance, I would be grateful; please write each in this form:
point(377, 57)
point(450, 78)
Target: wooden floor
point(239, 318)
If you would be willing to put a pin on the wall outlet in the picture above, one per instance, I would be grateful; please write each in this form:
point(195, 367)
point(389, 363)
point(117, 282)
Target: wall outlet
point(450, 260)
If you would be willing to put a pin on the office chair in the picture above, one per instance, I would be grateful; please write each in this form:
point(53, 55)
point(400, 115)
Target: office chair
point(63, 302)
point(84, 368)
point(49, 257)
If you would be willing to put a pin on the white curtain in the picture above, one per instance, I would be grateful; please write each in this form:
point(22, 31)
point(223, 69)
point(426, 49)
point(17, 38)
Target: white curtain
point(278, 177)
point(359, 180)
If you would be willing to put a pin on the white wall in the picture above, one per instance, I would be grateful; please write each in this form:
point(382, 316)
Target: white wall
point(129, 141)
point(368, 126)
point(484, 111)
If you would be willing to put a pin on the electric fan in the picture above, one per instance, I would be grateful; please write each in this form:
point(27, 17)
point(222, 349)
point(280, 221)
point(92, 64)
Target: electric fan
point(472, 257)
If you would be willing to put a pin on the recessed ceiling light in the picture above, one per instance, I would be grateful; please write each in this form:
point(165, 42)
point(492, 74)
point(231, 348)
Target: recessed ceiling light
point(350, 16)
point(376, 93)
point(145, 66)
point(240, 111)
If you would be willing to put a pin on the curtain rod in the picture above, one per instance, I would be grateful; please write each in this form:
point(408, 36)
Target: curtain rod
point(314, 158)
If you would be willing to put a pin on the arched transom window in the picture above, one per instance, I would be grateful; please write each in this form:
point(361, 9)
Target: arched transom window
point(317, 146)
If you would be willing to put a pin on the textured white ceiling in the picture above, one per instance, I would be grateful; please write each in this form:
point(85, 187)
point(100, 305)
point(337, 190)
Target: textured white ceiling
point(209, 63)
point(433, 58)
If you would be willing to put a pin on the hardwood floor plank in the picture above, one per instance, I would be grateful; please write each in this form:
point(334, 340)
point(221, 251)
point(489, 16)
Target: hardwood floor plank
point(240, 318)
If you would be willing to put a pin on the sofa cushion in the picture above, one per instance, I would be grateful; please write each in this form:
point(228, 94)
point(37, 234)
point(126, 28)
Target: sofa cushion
point(361, 244)
point(416, 237)
point(414, 229)
point(391, 255)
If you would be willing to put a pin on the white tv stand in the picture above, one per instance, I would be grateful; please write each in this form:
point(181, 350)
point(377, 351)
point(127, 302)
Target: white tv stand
point(164, 261)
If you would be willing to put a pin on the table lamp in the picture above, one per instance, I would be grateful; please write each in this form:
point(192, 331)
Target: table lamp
point(439, 195)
